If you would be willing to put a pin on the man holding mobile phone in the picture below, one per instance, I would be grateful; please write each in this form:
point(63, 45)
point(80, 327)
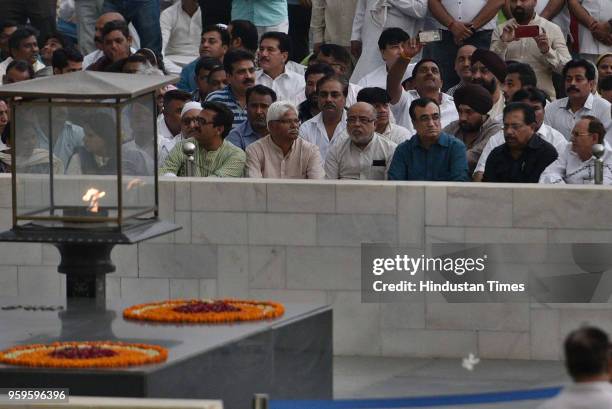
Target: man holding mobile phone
point(533, 40)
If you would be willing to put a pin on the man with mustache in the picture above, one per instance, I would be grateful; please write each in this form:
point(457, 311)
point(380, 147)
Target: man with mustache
point(430, 155)
point(274, 48)
point(327, 127)
point(309, 108)
point(214, 156)
point(259, 98)
point(562, 114)
point(23, 45)
point(117, 41)
point(379, 99)
point(428, 84)
point(363, 154)
point(576, 165)
point(537, 100)
point(524, 155)
point(239, 66)
point(188, 124)
point(474, 127)
point(489, 70)
point(546, 53)
point(283, 154)
point(95, 55)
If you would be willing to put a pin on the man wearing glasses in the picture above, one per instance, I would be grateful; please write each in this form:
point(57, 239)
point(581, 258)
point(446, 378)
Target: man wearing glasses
point(364, 154)
point(283, 154)
point(214, 156)
point(525, 155)
point(430, 155)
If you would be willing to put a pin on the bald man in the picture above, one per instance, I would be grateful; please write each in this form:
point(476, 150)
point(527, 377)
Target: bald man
point(361, 153)
point(98, 53)
point(463, 64)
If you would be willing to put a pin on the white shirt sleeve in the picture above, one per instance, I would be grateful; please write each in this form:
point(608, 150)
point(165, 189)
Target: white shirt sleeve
point(555, 172)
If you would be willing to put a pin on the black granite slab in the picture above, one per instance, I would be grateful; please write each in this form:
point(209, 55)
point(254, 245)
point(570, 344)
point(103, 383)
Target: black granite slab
point(289, 358)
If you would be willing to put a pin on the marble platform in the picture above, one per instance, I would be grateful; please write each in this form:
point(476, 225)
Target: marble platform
point(288, 358)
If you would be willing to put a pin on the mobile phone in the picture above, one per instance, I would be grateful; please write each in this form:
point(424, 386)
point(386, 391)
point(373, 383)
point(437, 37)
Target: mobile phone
point(526, 31)
point(430, 36)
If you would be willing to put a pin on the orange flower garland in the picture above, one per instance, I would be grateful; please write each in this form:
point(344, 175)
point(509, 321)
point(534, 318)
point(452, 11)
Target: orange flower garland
point(205, 311)
point(104, 354)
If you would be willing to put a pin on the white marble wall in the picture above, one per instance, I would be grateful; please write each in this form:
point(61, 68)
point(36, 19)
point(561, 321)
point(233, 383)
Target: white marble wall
point(299, 241)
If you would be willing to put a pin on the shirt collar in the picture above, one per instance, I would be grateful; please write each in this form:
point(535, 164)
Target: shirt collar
point(588, 104)
point(277, 148)
point(443, 140)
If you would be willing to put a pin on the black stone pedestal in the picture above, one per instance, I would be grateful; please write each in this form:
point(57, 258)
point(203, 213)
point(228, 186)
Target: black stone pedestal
point(288, 358)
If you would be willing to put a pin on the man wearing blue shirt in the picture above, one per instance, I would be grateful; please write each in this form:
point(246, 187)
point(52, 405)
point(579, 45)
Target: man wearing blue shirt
point(267, 15)
point(258, 99)
point(429, 155)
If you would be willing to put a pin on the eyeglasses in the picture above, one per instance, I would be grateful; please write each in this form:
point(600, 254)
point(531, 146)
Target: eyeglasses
point(353, 120)
point(514, 127)
point(578, 134)
point(198, 120)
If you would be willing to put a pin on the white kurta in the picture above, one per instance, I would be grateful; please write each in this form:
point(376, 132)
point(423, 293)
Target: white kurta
point(372, 17)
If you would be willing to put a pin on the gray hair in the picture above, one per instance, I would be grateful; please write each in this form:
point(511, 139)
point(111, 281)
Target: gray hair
point(278, 109)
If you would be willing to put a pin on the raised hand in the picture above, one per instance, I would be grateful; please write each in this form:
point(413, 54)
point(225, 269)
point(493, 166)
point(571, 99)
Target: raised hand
point(411, 47)
point(542, 42)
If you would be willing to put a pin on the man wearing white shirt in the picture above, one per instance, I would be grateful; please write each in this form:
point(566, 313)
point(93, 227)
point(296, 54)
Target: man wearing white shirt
point(374, 16)
point(363, 154)
point(169, 121)
point(22, 45)
point(594, 34)
point(461, 22)
point(273, 54)
point(94, 56)
point(463, 65)
point(576, 165)
point(428, 82)
point(537, 100)
point(188, 128)
point(389, 44)
point(563, 114)
point(379, 99)
point(181, 28)
point(555, 11)
point(327, 127)
point(587, 359)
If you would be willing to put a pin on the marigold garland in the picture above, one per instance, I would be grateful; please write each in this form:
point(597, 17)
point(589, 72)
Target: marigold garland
point(222, 311)
point(46, 355)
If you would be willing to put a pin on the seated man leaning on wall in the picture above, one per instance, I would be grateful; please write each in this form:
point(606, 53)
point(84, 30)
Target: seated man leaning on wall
point(214, 156)
point(431, 154)
point(524, 155)
point(576, 165)
point(363, 154)
point(282, 154)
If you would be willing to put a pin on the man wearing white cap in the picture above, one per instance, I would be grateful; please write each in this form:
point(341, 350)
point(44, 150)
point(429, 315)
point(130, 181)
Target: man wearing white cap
point(189, 129)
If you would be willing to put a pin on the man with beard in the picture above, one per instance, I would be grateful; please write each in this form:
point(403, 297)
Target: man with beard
point(536, 99)
point(274, 49)
point(213, 156)
point(169, 121)
point(518, 76)
point(189, 127)
point(327, 127)
point(283, 154)
point(428, 83)
point(463, 63)
point(562, 114)
point(309, 108)
point(524, 155)
point(259, 98)
point(489, 71)
point(364, 154)
point(474, 127)
point(546, 53)
point(239, 66)
point(116, 42)
point(379, 99)
point(430, 155)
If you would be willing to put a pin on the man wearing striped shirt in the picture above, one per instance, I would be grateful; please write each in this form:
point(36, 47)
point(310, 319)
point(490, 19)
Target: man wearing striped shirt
point(214, 156)
point(239, 66)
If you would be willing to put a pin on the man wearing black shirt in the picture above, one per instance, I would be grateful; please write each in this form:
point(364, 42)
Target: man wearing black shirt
point(525, 155)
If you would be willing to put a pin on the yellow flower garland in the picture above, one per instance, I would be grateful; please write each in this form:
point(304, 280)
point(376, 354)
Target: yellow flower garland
point(164, 311)
point(40, 355)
